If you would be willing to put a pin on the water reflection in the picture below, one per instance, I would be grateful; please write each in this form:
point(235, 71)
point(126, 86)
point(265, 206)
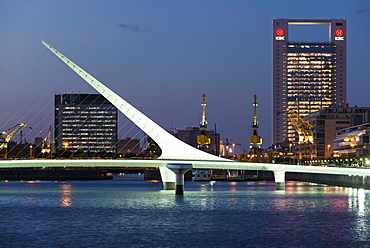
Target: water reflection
point(357, 203)
point(233, 186)
point(65, 195)
point(357, 200)
point(32, 198)
point(232, 201)
point(256, 215)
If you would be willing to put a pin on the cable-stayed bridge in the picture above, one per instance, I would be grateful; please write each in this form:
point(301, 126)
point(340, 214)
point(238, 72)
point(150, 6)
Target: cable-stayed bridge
point(177, 157)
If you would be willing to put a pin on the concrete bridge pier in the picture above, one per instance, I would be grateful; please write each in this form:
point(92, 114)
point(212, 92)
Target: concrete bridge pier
point(179, 170)
point(279, 179)
point(168, 178)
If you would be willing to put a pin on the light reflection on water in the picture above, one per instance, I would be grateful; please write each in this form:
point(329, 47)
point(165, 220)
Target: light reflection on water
point(357, 202)
point(65, 195)
point(139, 213)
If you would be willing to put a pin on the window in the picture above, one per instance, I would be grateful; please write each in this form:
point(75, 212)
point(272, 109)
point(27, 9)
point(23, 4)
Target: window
point(320, 135)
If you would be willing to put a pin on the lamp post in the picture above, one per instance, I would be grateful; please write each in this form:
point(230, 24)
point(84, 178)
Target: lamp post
point(31, 155)
point(328, 151)
point(291, 158)
point(65, 145)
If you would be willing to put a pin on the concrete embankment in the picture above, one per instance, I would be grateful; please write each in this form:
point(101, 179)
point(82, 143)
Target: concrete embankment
point(329, 179)
point(53, 174)
point(335, 180)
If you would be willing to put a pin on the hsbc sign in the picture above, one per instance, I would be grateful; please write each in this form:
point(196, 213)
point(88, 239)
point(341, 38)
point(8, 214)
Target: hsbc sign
point(339, 34)
point(279, 34)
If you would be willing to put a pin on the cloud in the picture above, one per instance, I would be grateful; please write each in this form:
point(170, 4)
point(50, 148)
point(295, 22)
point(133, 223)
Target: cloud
point(133, 28)
point(361, 11)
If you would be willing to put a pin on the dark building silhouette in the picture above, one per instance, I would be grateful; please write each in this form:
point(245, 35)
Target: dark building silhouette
point(190, 134)
point(85, 123)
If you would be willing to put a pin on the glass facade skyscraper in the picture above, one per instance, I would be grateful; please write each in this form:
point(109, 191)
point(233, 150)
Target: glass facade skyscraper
point(307, 76)
point(85, 122)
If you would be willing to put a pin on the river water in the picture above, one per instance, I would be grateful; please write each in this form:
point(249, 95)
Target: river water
point(138, 213)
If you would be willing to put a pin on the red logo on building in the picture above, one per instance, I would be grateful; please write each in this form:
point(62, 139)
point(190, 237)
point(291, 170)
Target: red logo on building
point(280, 32)
point(339, 33)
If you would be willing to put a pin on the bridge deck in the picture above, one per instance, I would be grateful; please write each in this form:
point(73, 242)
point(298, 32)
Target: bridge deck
point(196, 164)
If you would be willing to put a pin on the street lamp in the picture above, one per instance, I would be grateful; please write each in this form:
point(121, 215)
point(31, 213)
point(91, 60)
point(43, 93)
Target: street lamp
point(65, 145)
point(31, 155)
point(328, 156)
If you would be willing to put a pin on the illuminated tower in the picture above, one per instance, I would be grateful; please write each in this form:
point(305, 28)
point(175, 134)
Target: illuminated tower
point(203, 140)
point(306, 76)
point(255, 140)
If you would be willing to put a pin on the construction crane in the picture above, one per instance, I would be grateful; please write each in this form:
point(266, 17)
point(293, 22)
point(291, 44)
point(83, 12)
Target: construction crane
point(202, 140)
point(46, 142)
point(255, 140)
point(5, 137)
point(303, 129)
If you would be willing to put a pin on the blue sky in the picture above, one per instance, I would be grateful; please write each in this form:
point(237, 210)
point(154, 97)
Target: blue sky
point(162, 56)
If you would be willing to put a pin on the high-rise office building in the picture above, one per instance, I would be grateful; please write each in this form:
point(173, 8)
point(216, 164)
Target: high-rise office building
point(85, 122)
point(307, 75)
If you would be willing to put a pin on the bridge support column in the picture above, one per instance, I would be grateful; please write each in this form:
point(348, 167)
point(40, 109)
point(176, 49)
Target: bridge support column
point(279, 180)
point(168, 178)
point(179, 170)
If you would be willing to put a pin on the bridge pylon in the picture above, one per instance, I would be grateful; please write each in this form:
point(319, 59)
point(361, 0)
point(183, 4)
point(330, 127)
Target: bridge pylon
point(279, 179)
point(179, 170)
point(172, 148)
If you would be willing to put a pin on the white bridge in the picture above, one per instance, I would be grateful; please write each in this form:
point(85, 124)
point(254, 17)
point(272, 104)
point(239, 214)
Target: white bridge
point(177, 157)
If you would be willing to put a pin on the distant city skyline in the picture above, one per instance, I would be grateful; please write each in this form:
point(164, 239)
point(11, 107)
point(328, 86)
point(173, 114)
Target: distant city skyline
point(162, 56)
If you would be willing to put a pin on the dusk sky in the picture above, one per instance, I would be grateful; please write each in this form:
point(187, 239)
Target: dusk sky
point(161, 56)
